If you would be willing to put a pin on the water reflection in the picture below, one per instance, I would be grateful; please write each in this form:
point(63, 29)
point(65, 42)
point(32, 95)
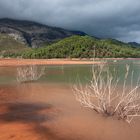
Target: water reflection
point(29, 73)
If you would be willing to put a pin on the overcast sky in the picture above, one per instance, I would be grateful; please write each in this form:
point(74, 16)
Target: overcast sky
point(118, 19)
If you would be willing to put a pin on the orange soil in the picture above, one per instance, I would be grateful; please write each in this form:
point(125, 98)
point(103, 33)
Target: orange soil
point(50, 112)
point(21, 62)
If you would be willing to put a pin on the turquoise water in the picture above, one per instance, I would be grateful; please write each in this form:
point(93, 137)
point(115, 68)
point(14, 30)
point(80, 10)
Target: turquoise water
point(72, 73)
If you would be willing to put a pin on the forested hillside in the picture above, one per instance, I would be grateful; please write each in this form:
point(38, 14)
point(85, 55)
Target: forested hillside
point(84, 47)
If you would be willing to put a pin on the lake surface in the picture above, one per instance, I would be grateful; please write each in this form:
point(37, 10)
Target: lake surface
point(47, 109)
point(69, 74)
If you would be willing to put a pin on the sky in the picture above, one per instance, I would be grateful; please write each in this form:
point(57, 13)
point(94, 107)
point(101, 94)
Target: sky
point(118, 19)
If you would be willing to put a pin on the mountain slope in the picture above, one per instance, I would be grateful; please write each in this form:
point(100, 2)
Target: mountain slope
point(84, 47)
point(134, 44)
point(34, 34)
point(9, 47)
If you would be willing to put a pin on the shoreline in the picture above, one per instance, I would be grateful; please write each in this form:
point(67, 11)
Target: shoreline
point(4, 62)
point(24, 62)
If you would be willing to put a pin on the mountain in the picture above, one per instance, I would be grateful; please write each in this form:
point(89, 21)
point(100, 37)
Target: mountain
point(27, 39)
point(84, 47)
point(34, 34)
point(134, 44)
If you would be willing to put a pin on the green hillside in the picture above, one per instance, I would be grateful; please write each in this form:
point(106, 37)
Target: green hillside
point(84, 47)
point(9, 47)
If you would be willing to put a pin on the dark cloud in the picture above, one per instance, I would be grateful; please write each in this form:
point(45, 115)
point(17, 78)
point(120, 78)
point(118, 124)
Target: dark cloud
point(103, 18)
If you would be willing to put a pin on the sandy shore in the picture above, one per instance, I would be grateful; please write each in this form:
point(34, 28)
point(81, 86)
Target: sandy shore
point(22, 62)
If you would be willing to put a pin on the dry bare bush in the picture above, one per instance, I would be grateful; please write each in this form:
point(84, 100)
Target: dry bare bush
point(103, 95)
point(29, 73)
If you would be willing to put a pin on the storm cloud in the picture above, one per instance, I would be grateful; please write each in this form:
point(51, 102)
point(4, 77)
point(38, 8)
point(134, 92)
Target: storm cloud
point(118, 19)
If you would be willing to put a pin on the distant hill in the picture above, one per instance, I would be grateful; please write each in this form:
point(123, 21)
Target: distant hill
point(34, 34)
point(84, 47)
point(134, 44)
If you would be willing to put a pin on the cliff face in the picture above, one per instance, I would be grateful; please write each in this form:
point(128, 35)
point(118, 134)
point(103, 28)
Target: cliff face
point(34, 34)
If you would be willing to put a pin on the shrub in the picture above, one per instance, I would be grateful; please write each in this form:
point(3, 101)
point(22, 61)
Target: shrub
point(29, 73)
point(101, 95)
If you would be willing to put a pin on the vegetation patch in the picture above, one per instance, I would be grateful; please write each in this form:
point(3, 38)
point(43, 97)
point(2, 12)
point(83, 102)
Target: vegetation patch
point(84, 47)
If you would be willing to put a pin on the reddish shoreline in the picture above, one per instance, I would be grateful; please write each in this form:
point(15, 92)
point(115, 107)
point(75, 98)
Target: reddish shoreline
point(22, 62)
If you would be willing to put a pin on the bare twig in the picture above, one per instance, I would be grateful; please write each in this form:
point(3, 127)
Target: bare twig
point(101, 95)
point(29, 73)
